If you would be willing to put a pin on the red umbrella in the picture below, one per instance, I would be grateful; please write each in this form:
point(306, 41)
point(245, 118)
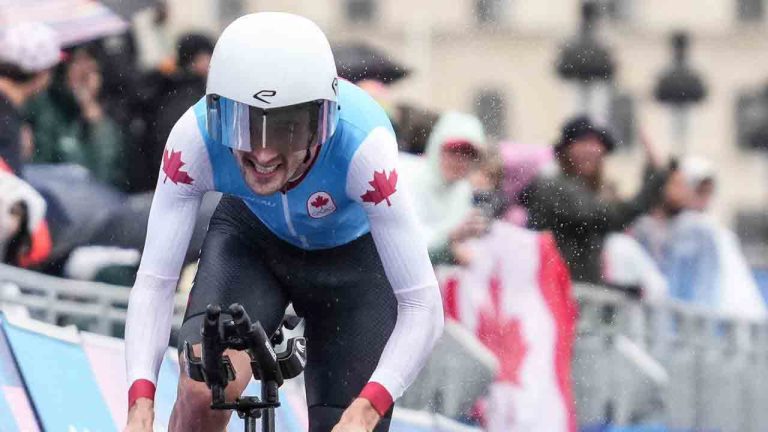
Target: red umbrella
point(75, 21)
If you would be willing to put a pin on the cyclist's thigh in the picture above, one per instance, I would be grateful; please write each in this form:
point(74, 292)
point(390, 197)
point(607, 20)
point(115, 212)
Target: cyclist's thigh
point(350, 314)
point(232, 270)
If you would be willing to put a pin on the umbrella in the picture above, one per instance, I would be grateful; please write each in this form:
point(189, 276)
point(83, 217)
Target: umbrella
point(357, 62)
point(126, 225)
point(75, 21)
point(77, 205)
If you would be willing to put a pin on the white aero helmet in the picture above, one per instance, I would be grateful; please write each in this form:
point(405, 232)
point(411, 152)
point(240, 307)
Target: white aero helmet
point(272, 83)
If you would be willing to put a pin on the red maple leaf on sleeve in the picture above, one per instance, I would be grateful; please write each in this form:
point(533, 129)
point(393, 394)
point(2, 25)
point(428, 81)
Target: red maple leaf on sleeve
point(319, 201)
point(172, 168)
point(383, 187)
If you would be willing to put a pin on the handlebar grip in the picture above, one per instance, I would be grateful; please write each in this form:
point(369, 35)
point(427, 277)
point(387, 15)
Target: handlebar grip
point(211, 322)
point(213, 348)
point(257, 343)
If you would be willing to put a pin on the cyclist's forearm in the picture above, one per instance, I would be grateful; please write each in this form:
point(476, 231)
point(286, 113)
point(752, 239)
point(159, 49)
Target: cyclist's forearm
point(148, 325)
point(419, 325)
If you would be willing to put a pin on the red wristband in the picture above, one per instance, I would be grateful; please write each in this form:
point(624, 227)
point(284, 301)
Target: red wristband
point(378, 396)
point(140, 389)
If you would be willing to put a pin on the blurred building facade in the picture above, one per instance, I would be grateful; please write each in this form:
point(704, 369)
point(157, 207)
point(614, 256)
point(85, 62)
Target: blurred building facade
point(497, 58)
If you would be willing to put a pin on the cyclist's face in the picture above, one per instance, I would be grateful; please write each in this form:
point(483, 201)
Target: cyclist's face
point(267, 168)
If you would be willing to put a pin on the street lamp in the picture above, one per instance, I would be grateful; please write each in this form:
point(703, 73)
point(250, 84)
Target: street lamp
point(680, 87)
point(588, 65)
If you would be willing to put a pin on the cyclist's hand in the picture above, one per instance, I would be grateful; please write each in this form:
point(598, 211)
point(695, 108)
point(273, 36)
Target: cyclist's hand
point(359, 417)
point(141, 416)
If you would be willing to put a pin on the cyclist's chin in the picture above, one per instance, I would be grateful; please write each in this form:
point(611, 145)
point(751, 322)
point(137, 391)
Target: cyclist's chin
point(265, 184)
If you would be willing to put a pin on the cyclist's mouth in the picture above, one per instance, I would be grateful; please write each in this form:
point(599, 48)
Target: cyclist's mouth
point(262, 170)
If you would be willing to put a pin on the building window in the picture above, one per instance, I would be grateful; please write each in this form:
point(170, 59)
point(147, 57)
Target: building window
point(491, 109)
point(752, 120)
point(363, 11)
point(489, 11)
point(750, 10)
point(621, 118)
point(618, 10)
point(752, 231)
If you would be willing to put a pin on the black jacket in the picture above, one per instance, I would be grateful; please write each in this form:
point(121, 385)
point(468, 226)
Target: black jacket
point(580, 219)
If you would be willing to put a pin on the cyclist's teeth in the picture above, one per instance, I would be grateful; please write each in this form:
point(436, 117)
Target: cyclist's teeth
point(264, 170)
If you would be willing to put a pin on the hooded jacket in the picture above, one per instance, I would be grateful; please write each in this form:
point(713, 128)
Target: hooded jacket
point(440, 205)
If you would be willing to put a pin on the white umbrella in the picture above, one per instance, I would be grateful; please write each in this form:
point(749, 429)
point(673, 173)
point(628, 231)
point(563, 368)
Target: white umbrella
point(75, 21)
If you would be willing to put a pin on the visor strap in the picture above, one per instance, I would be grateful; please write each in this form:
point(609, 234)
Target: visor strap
point(264, 130)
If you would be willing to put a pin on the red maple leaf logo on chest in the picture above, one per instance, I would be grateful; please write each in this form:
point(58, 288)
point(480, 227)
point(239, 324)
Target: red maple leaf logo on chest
point(172, 168)
point(320, 201)
point(383, 187)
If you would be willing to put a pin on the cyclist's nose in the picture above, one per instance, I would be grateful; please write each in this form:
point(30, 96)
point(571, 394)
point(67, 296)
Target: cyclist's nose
point(265, 155)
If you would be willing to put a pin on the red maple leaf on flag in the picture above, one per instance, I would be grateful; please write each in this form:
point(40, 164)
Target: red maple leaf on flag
point(383, 187)
point(319, 201)
point(501, 333)
point(172, 168)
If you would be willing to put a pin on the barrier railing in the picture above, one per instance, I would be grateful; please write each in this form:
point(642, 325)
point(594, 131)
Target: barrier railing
point(95, 307)
point(668, 363)
point(634, 362)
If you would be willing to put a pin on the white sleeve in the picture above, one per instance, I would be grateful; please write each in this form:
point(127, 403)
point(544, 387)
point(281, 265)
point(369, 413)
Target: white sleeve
point(185, 175)
point(403, 252)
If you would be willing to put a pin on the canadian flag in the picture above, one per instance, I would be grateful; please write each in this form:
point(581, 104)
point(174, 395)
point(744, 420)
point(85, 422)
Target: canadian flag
point(516, 297)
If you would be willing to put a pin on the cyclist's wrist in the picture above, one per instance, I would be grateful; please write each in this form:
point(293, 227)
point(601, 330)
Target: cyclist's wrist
point(141, 390)
point(378, 396)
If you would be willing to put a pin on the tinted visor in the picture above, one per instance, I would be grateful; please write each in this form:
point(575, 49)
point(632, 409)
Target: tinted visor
point(288, 129)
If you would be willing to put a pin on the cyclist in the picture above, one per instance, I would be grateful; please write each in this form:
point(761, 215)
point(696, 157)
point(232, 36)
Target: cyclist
point(312, 214)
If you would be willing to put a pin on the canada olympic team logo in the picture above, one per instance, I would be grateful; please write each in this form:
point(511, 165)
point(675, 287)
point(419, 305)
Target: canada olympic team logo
point(320, 204)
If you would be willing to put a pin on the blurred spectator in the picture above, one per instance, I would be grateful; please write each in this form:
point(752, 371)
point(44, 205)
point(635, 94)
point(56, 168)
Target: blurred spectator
point(413, 126)
point(167, 95)
point(22, 210)
point(487, 182)
point(70, 124)
point(576, 205)
point(27, 53)
point(440, 184)
point(701, 259)
point(627, 266)
point(522, 164)
point(700, 175)
point(682, 244)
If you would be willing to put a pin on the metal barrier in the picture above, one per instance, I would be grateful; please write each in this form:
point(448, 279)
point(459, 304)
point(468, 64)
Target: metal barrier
point(95, 307)
point(664, 363)
point(668, 363)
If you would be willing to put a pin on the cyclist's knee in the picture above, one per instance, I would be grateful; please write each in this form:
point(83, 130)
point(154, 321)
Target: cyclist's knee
point(194, 396)
point(242, 364)
point(197, 395)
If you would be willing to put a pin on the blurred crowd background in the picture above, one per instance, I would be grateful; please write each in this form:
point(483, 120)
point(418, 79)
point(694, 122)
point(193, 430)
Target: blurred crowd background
point(632, 134)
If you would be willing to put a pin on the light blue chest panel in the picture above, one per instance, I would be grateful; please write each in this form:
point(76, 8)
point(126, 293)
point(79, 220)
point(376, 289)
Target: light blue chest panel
point(316, 213)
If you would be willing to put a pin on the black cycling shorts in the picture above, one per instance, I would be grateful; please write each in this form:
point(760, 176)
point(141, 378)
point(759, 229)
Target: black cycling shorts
point(342, 293)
